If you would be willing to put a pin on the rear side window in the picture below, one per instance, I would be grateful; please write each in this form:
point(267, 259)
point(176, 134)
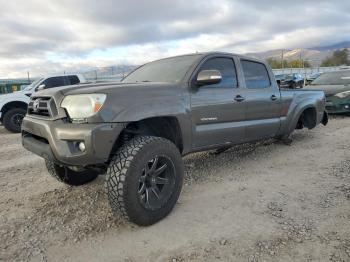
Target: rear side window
point(54, 82)
point(227, 69)
point(255, 75)
point(73, 80)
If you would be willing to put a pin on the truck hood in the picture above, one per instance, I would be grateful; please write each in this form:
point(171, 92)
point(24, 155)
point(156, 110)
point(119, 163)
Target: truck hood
point(106, 88)
point(329, 90)
point(127, 102)
point(15, 95)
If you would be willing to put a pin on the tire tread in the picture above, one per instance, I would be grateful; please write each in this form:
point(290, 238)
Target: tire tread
point(118, 170)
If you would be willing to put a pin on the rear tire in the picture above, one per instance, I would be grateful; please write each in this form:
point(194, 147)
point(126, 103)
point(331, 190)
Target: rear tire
point(12, 119)
point(144, 179)
point(68, 176)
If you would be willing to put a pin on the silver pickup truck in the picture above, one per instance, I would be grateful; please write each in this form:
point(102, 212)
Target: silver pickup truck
point(136, 131)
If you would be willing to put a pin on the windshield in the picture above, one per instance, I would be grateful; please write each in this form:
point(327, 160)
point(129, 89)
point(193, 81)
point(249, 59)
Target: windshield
point(333, 78)
point(289, 76)
point(166, 70)
point(33, 84)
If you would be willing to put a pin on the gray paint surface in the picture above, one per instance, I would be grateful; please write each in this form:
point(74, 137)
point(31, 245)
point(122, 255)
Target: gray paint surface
point(208, 117)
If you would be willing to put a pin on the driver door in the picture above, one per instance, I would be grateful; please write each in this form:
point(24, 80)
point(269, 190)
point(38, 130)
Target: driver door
point(217, 115)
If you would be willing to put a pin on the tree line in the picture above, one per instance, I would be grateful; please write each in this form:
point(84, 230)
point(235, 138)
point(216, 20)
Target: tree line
point(277, 63)
point(338, 58)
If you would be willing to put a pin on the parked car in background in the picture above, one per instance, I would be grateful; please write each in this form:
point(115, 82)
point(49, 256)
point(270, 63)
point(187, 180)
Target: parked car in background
point(293, 80)
point(135, 131)
point(280, 78)
point(336, 86)
point(311, 78)
point(13, 106)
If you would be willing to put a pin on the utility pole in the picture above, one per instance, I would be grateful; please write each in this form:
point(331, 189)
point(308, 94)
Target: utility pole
point(282, 62)
point(304, 72)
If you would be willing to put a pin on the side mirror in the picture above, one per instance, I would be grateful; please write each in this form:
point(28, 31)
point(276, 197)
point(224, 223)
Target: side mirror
point(41, 87)
point(209, 77)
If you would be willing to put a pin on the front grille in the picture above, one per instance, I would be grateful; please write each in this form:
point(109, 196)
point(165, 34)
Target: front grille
point(42, 106)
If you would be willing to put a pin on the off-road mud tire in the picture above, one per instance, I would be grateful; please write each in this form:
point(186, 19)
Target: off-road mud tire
point(125, 171)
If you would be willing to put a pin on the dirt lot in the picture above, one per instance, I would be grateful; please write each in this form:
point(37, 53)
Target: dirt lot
point(261, 202)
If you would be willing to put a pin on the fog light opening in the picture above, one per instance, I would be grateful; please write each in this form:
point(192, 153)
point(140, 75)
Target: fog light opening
point(81, 146)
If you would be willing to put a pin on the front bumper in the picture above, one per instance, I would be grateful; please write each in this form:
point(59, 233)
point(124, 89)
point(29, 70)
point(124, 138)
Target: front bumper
point(57, 141)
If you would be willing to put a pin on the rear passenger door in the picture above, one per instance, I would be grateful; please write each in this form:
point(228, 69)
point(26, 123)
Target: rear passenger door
point(263, 101)
point(216, 116)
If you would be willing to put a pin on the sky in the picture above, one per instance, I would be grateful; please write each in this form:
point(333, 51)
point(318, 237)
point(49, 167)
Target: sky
point(52, 36)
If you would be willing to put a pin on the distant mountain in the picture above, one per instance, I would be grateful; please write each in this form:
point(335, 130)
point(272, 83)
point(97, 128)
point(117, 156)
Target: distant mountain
point(314, 55)
point(341, 45)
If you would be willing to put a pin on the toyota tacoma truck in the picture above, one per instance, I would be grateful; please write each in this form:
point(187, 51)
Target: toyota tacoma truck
point(13, 106)
point(136, 131)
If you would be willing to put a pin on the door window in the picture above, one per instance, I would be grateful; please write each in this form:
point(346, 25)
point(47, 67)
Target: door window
point(54, 82)
point(227, 69)
point(255, 74)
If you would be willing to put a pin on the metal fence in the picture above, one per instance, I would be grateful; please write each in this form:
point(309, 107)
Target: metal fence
point(13, 85)
point(107, 74)
point(116, 73)
point(308, 70)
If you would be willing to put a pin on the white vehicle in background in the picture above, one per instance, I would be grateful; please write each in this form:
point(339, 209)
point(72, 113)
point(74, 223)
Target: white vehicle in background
point(13, 106)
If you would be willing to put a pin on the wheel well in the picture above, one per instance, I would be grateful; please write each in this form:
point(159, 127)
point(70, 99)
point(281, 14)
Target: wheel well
point(166, 127)
point(10, 105)
point(307, 118)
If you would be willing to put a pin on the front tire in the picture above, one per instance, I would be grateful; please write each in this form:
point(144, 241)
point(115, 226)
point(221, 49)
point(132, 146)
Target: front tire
point(144, 179)
point(12, 119)
point(68, 176)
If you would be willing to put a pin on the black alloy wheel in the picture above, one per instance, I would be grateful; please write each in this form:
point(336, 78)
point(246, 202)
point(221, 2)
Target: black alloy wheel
point(157, 182)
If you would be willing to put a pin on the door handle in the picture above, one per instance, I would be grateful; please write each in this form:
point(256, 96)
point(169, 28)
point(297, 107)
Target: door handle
point(239, 98)
point(273, 97)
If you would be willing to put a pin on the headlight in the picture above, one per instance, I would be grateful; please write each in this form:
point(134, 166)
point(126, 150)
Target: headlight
point(343, 94)
point(83, 106)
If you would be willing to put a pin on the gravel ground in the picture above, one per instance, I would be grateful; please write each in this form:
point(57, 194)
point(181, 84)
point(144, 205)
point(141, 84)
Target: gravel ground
point(260, 202)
